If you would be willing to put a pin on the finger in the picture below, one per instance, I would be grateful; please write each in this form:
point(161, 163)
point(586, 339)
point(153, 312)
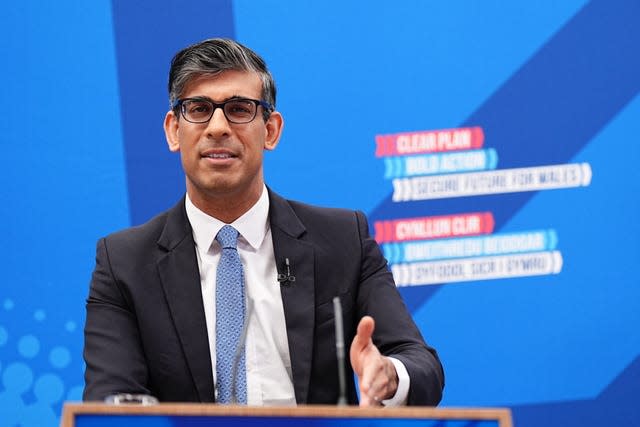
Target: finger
point(372, 377)
point(366, 400)
point(363, 337)
point(366, 327)
point(369, 401)
point(380, 380)
point(379, 387)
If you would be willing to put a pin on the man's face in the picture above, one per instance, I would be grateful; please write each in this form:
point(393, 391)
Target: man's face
point(223, 160)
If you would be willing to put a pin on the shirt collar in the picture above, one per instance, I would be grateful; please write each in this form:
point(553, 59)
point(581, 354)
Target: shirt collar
point(252, 225)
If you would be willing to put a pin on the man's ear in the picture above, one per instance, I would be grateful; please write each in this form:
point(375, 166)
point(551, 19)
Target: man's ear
point(274, 130)
point(171, 126)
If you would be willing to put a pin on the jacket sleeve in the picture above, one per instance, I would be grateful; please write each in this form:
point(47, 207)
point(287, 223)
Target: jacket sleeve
point(396, 333)
point(115, 362)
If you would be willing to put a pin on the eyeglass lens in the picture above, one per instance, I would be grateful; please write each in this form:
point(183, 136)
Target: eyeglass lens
point(236, 111)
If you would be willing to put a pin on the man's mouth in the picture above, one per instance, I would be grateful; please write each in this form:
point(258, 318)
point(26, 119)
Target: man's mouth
point(218, 156)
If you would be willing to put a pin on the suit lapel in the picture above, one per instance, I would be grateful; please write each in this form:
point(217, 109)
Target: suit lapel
point(179, 274)
point(297, 296)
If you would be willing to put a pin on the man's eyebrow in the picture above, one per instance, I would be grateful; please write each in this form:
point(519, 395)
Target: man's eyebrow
point(237, 97)
point(199, 98)
point(206, 98)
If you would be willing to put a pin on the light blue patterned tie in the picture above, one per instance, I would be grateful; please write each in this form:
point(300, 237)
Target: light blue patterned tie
point(230, 312)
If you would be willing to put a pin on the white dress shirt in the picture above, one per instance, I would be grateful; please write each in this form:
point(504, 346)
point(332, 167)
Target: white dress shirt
point(268, 365)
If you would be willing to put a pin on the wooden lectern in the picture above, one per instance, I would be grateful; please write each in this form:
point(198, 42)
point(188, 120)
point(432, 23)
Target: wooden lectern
point(191, 415)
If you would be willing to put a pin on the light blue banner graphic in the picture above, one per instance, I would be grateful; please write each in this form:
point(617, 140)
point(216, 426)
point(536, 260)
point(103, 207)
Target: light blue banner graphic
point(527, 264)
point(498, 244)
point(441, 163)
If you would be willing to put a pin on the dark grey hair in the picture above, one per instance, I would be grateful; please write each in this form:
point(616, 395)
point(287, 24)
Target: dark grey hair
point(212, 57)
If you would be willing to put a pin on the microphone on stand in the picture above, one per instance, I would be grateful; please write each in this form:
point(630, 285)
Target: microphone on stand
point(337, 310)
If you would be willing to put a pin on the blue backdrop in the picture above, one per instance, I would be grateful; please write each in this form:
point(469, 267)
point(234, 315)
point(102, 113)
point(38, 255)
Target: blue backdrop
point(549, 331)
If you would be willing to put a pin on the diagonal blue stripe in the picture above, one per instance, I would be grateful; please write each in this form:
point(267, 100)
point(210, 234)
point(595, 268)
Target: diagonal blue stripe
point(550, 108)
point(144, 51)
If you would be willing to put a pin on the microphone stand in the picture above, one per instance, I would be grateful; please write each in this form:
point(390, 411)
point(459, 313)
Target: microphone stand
point(342, 381)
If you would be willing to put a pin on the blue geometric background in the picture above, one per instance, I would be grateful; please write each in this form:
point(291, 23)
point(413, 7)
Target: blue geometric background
point(549, 83)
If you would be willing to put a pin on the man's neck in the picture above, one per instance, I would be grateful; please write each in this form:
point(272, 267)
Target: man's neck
point(226, 207)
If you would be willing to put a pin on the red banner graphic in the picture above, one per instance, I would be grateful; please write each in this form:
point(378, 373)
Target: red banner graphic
point(434, 227)
point(433, 141)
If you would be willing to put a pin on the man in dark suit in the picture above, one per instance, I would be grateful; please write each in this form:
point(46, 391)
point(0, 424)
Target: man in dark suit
point(154, 309)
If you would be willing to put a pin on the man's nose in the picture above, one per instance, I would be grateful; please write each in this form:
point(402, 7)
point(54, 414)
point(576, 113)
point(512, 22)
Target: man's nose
point(218, 124)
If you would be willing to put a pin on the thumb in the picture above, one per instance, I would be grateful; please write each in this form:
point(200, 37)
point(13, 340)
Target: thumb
point(361, 341)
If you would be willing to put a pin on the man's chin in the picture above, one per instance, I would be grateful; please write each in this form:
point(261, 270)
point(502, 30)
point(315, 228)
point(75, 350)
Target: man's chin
point(222, 188)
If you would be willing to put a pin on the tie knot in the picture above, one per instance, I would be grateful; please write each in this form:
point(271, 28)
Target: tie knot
point(227, 237)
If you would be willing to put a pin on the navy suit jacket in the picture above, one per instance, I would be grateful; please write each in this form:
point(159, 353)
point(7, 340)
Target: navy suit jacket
point(145, 329)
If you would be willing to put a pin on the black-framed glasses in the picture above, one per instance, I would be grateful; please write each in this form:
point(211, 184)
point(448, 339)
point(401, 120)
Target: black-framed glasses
point(236, 110)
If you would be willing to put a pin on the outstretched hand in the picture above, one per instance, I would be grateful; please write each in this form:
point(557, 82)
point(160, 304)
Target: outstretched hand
point(377, 377)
